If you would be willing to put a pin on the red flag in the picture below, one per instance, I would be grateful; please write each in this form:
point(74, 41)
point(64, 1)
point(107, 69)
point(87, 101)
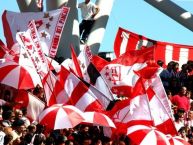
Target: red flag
point(165, 51)
point(78, 94)
point(158, 101)
point(134, 110)
point(75, 61)
point(119, 73)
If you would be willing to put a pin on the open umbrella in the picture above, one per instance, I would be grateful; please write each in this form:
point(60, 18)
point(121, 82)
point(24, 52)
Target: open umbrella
point(61, 116)
point(146, 135)
point(98, 118)
point(177, 140)
point(17, 76)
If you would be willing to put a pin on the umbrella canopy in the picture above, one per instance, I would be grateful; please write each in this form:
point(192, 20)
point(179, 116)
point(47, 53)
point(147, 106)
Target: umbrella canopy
point(146, 135)
point(61, 116)
point(17, 76)
point(177, 140)
point(98, 118)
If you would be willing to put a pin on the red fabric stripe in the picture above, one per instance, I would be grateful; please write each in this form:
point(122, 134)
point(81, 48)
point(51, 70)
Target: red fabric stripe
point(132, 42)
point(22, 99)
point(150, 93)
point(76, 64)
point(134, 56)
point(25, 80)
point(99, 62)
point(160, 52)
point(6, 70)
point(176, 53)
point(138, 136)
point(160, 139)
point(100, 118)
point(49, 119)
point(117, 42)
point(7, 30)
point(64, 73)
point(167, 127)
point(77, 93)
point(190, 54)
point(94, 106)
point(122, 90)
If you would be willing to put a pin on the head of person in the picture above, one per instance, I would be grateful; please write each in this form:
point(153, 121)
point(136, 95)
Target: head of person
point(19, 126)
point(87, 1)
point(160, 63)
point(183, 91)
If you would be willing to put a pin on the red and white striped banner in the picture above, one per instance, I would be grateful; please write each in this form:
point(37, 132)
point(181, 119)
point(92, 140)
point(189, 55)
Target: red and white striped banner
point(165, 51)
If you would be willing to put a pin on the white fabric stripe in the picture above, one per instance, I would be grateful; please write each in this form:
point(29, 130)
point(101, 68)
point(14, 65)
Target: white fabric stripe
point(70, 84)
point(35, 107)
point(46, 111)
point(150, 139)
point(110, 122)
point(89, 117)
point(11, 79)
point(183, 58)
point(125, 39)
point(85, 101)
point(62, 120)
point(137, 110)
point(136, 128)
point(168, 53)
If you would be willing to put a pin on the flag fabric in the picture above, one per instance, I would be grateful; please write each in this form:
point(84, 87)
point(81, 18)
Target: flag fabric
point(49, 25)
point(78, 94)
point(33, 104)
point(165, 51)
point(3, 49)
point(51, 88)
point(89, 72)
point(30, 41)
point(158, 101)
point(134, 110)
point(77, 69)
point(119, 73)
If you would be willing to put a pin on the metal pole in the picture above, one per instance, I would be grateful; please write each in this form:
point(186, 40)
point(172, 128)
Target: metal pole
point(174, 11)
point(97, 32)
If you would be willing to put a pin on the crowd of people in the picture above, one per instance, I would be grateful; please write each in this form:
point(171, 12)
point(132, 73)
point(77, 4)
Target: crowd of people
point(178, 83)
point(17, 129)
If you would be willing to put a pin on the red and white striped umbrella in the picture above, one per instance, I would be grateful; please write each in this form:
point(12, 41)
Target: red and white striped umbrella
point(61, 116)
point(177, 140)
point(17, 76)
point(98, 118)
point(146, 135)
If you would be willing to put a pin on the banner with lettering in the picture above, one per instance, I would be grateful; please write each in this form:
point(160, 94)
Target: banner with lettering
point(29, 41)
point(49, 26)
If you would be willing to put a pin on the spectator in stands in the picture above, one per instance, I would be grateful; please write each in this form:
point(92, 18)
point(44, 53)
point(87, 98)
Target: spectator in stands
point(179, 121)
point(181, 100)
point(182, 133)
point(160, 63)
point(166, 75)
point(183, 75)
point(88, 10)
point(8, 118)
